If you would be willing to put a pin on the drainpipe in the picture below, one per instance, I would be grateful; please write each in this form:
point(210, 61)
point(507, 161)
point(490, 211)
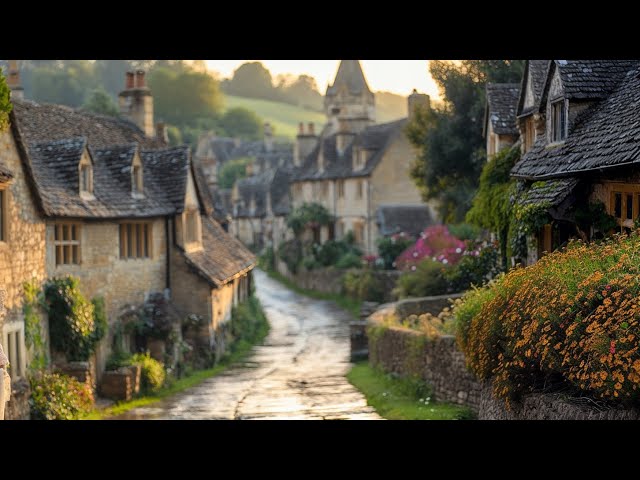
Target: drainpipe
point(168, 257)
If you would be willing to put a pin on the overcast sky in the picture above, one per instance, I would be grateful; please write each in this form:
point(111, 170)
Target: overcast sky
point(397, 76)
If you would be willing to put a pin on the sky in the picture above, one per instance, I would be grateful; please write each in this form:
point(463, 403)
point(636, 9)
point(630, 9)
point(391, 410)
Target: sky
point(396, 76)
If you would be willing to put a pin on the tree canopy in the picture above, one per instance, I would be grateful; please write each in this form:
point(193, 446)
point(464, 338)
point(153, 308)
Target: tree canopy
point(233, 170)
point(99, 101)
point(5, 103)
point(449, 138)
point(240, 122)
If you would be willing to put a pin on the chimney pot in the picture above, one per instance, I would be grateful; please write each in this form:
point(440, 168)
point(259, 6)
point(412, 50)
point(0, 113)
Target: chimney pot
point(301, 128)
point(311, 128)
point(161, 133)
point(140, 82)
point(129, 80)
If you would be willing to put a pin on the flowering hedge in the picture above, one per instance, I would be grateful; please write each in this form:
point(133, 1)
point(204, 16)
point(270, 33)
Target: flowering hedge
point(570, 322)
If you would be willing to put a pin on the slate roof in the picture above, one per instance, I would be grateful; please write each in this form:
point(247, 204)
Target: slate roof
point(253, 188)
point(222, 198)
point(223, 256)
point(350, 75)
point(551, 192)
point(374, 139)
point(592, 79)
point(538, 70)
point(502, 101)
point(411, 219)
point(225, 149)
point(606, 135)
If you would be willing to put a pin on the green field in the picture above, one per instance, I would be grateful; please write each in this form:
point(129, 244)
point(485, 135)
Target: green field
point(284, 118)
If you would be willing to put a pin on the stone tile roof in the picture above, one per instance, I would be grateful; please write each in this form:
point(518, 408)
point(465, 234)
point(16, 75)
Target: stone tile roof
point(351, 76)
point(550, 192)
point(411, 219)
point(222, 198)
point(591, 79)
point(374, 139)
point(538, 70)
point(502, 101)
point(223, 256)
point(606, 135)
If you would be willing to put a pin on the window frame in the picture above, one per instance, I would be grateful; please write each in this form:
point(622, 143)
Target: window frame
point(340, 188)
point(559, 132)
point(88, 187)
point(135, 237)
point(360, 189)
point(191, 227)
point(60, 244)
point(17, 360)
point(624, 190)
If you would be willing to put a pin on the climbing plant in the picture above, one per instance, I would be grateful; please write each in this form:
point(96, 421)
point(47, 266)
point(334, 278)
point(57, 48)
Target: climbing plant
point(33, 335)
point(72, 322)
point(308, 215)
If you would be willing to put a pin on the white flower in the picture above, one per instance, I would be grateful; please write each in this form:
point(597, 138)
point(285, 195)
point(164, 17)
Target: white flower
point(415, 254)
point(458, 250)
point(413, 268)
point(445, 261)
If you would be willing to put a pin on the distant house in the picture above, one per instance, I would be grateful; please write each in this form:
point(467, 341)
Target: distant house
point(500, 129)
point(357, 169)
point(105, 200)
point(585, 149)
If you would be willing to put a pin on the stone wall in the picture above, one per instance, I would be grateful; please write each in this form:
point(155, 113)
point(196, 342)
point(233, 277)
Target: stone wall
point(18, 406)
point(436, 361)
point(439, 363)
point(329, 280)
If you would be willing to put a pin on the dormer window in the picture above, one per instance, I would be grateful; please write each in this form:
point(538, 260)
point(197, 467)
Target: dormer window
point(558, 121)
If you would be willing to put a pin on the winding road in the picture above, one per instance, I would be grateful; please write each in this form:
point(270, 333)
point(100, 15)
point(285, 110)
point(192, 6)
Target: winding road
point(297, 373)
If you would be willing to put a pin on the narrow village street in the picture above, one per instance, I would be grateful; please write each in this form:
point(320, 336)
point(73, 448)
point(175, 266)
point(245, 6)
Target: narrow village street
point(299, 372)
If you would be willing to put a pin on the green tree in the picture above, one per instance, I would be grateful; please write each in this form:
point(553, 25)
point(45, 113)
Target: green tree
point(449, 138)
point(243, 123)
point(99, 101)
point(303, 91)
point(251, 80)
point(233, 170)
point(5, 103)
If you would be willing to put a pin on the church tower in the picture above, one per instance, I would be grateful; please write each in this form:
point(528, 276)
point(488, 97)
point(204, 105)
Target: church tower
point(348, 103)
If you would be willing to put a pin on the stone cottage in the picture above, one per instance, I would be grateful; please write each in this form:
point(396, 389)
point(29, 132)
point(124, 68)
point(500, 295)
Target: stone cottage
point(500, 129)
point(357, 169)
point(585, 149)
point(120, 210)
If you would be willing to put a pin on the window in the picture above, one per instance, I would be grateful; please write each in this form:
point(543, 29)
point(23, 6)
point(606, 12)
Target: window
point(529, 135)
point(363, 157)
point(624, 203)
point(137, 179)
point(358, 233)
point(13, 345)
point(340, 187)
point(67, 243)
point(325, 189)
point(86, 182)
point(3, 215)
point(191, 226)
point(558, 121)
point(359, 188)
point(135, 240)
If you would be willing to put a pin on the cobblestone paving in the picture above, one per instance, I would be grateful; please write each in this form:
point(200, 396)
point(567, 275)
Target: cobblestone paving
point(298, 373)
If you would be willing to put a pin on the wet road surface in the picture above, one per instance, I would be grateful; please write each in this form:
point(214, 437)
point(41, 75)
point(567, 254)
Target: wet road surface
point(298, 373)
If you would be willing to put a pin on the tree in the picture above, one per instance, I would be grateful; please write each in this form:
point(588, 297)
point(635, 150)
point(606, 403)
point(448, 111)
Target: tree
point(251, 80)
point(240, 122)
point(449, 139)
point(303, 91)
point(99, 101)
point(5, 103)
point(233, 170)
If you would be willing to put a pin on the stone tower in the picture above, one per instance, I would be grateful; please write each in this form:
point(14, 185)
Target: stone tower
point(136, 102)
point(349, 103)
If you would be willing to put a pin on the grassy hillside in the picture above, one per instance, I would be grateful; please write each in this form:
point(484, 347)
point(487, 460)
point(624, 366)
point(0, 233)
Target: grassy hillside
point(284, 118)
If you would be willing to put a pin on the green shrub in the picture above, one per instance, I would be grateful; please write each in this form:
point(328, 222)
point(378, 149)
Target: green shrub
point(72, 322)
point(389, 248)
point(248, 322)
point(465, 231)
point(428, 279)
point(310, 263)
point(290, 252)
point(117, 359)
point(349, 260)
point(152, 376)
point(363, 285)
point(473, 269)
point(331, 251)
point(267, 260)
point(308, 215)
point(59, 397)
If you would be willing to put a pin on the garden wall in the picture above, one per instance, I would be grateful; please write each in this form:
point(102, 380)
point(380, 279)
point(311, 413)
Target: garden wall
point(439, 363)
point(18, 406)
point(329, 280)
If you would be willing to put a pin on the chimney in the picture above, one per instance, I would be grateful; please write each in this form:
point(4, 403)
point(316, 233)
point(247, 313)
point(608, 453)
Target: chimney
point(268, 137)
point(161, 133)
point(417, 100)
point(136, 102)
point(311, 128)
point(249, 169)
point(343, 137)
point(13, 81)
point(305, 143)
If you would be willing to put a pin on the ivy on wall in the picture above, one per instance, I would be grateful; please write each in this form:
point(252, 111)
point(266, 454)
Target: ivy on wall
point(5, 103)
point(33, 334)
